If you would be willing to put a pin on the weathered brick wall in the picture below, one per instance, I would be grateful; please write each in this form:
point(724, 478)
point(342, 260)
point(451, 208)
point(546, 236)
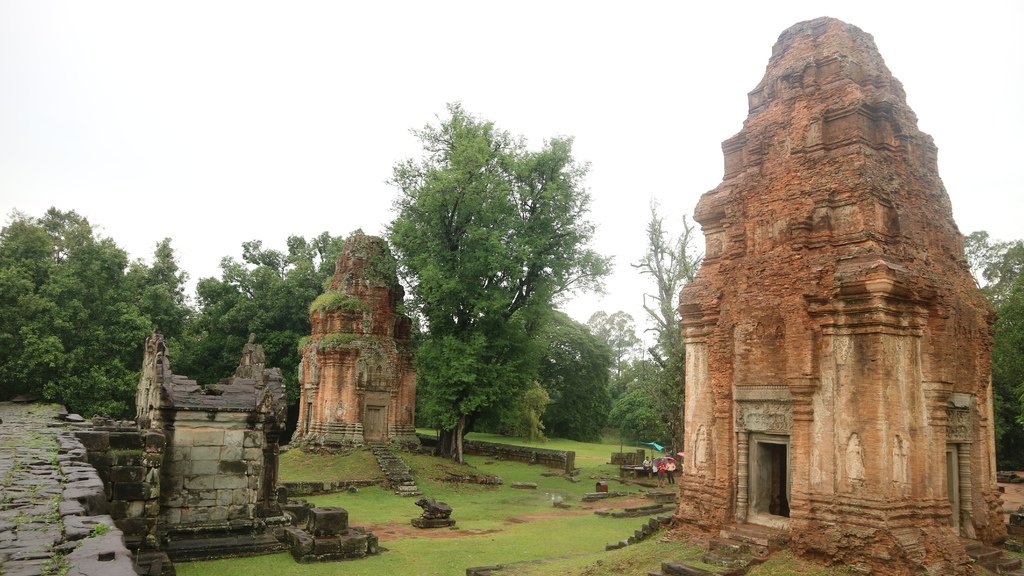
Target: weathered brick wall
point(357, 377)
point(563, 459)
point(834, 333)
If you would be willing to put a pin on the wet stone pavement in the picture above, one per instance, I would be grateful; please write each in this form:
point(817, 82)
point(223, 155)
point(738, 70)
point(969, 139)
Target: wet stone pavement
point(51, 501)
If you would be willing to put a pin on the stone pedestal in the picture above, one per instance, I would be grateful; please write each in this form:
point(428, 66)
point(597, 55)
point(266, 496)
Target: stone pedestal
point(328, 537)
point(435, 514)
point(432, 522)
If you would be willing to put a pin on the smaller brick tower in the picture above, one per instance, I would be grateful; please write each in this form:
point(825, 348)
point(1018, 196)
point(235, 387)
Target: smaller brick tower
point(358, 382)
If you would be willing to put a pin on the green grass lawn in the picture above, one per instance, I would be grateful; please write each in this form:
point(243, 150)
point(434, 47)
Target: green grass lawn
point(495, 524)
point(298, 466)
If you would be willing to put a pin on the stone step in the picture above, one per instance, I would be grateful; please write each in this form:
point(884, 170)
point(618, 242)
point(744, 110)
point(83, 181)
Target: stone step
point(985, 555)
point(678, 568)
point(729, 545)
point(1008, 565)
point(397, 472)
point(727, 559)
point(765, 537)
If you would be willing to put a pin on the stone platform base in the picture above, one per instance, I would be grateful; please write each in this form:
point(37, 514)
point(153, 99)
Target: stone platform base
point(352, 543)
point(153, 563)
point(209, 547)
point(432, 522)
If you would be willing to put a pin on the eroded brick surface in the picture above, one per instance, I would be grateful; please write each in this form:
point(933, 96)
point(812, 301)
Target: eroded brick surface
point(837, 348)
point(358, 382)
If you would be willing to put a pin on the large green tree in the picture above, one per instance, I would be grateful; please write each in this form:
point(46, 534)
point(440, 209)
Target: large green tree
point(999, 268)
point(670, 262)
point(488, 235)
point(161, 290)
point(71, 324)
point(638, 412)
point(618, 331)
point(267, 293)
point(574, 370)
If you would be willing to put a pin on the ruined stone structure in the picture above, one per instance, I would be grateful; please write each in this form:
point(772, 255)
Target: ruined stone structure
point(358, 382)
point(218, 475)
point(837, 348)
point(323, 535)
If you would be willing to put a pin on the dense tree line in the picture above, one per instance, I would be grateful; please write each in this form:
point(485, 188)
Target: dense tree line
point(489, 235)
point(74, 312)
point(999, 268)
point(267, 293)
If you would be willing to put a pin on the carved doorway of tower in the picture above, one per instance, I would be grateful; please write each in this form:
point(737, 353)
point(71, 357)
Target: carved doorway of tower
point(769, 480)
point(374, 422)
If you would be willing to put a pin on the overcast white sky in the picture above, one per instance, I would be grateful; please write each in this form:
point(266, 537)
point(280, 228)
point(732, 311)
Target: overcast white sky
point(215, 123)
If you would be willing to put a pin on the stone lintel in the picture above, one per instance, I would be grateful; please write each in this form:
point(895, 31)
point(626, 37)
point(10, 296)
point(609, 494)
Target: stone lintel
point(961, 400)
point(762, 392)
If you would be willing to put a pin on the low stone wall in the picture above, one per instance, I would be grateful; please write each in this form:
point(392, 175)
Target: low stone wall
point(634, 458)
point(314, 488)
point(128, 462)
point(562, 459)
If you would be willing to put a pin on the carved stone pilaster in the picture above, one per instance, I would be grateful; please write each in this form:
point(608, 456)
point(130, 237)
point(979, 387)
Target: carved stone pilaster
point(743, 478)
point(963, 456)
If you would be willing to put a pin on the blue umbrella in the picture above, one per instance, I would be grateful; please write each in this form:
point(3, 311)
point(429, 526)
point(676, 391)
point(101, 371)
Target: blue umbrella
point(654, 445)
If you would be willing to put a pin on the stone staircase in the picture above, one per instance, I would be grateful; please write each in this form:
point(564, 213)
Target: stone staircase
point(646, 530)
point(737, 548)
point(395, 469)
point(993, 559)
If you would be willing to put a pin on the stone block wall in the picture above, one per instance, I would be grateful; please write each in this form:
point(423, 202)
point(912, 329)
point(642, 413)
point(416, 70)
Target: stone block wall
point(213, 471)
point(128, 461)
point(635, 458)
point(562, 459)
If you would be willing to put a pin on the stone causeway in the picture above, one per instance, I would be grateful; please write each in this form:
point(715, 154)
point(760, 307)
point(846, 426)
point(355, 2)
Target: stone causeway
point(52, 503)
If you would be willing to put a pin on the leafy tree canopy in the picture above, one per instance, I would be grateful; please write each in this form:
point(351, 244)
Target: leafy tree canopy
point(267, 293)
point(574, 370)
point(638, 413)
point(670, 262)
point(74, 313)
point(618, 331)
point(999, 267)
point(488, 235)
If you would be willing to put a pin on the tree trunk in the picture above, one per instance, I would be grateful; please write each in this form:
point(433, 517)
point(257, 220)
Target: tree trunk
point(449, 443)
point(460, 432)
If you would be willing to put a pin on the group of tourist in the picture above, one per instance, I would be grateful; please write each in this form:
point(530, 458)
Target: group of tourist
point(664, 467)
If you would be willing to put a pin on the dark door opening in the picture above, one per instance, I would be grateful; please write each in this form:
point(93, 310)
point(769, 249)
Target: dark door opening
point(778, 499)
point(769, 476)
